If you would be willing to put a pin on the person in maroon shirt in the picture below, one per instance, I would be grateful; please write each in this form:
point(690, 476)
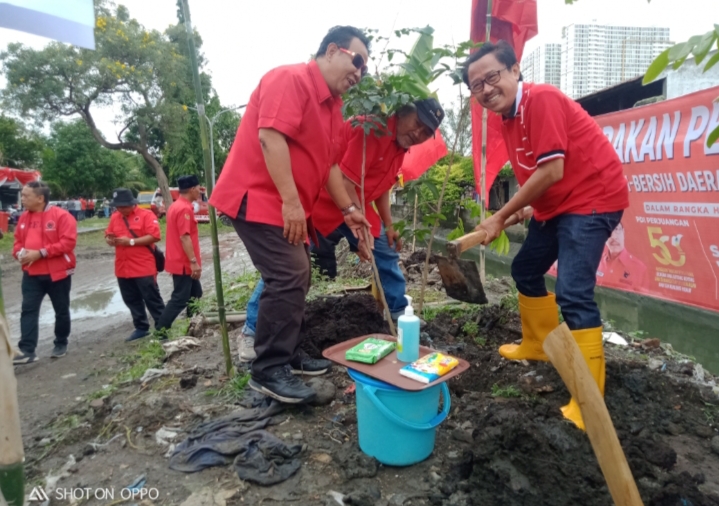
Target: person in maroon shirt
point(45, 239)
point(285, 151)
point(133, 232)
point(183, 251)
point(571, 175)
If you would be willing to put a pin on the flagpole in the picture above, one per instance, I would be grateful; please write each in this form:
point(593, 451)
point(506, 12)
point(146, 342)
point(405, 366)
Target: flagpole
point(483, 166)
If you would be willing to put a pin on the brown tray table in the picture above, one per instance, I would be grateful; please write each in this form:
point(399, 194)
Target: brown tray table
point(387, 369)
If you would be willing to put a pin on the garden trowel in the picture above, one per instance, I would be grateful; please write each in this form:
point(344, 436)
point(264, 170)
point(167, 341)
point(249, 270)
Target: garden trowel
point(461, 277)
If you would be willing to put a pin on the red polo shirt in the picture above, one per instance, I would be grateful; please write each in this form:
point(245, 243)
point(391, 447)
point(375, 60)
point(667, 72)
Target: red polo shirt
point(295, 101)
point(134, 261)
point(625, 271)
point(548, 125)
point(181, 221)
point(383, 162)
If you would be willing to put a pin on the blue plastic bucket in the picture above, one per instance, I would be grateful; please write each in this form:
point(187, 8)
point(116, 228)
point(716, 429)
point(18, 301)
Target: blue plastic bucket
point(395, 426)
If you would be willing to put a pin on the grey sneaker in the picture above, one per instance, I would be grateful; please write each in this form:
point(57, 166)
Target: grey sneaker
point(60, 350)
point(22, 358)
point(246, 348)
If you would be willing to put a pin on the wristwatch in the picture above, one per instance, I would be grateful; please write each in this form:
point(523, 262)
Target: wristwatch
point(193, 261)
point(349, 209)
point(132, 242)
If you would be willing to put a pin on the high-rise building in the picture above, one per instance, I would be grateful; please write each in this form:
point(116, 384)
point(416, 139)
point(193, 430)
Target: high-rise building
point(543, 65)
point(597, 56)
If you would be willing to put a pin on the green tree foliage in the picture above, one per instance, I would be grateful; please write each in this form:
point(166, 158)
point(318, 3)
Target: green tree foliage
point(450, 128)
point(19, 148)
point(74, 164)
point(142, 73)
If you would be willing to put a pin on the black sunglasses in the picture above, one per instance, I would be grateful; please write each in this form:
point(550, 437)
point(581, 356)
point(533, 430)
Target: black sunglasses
point(357, 60)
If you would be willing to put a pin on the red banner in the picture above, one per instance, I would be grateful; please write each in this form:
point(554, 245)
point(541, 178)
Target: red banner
point(421, 157)
point(21, 176)
point(668, 243)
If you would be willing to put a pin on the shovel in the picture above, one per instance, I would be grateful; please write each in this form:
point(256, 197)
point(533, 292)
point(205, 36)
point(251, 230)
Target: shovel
point(460, 277)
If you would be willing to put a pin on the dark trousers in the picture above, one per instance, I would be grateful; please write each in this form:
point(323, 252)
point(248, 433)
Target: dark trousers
point(323, 254)
point(184, 289)
point(138, 293)
point(34, 289)
point(577, 242)
point(286, 271)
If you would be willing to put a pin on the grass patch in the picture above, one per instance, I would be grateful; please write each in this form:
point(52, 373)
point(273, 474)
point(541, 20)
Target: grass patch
point(148, 356)
point(237, 291)
point(322, 285)
point(429, 295)
point(480, 341)
point(232, 390)
point(455, 311)
point(510, 302)
point(508, 392)
point(471, 328)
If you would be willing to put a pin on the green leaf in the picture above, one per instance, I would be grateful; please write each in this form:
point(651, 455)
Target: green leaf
point(703, 47)
point(657, 67)
point(679, 51)
point(713, 137)
point(679, 63)
point(432, 188)
point(712, 61)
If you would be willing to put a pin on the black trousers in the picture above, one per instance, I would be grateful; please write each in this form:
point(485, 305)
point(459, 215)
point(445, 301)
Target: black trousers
point(184, 289)
point(323, 254)
point(286, 271)
point(138, 293)
point(34, 289)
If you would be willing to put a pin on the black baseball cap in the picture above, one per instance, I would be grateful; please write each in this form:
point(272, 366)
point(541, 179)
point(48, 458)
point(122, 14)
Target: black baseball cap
point(430, 113)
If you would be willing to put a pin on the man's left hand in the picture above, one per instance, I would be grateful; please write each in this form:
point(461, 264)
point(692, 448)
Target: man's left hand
point(394, 239)
point(31, 255)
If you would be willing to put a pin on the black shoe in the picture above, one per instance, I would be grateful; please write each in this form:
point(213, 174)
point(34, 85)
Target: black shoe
point(282, 385)
point(138, 334)
point(60, 350)
point(303, 364)
point(23, 358)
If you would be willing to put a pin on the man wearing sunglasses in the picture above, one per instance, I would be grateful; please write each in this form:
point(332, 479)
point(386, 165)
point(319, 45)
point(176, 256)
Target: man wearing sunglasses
point(572, 177)
point(286, 151)
point(386, 148)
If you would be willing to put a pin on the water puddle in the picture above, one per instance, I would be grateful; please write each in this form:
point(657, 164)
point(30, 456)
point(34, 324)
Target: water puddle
point(101, 303)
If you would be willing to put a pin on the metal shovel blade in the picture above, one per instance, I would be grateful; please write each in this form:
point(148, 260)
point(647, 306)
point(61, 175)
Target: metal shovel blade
point(461, 280)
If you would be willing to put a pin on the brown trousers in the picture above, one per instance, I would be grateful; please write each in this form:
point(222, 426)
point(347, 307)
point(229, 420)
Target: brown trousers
point(286, 272)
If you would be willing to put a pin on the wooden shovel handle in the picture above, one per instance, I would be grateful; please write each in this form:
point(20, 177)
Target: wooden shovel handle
point(562, 350)
point(458, 246)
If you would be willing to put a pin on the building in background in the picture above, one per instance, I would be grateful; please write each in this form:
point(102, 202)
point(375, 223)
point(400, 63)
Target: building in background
point(543, 65)
point(596, 56)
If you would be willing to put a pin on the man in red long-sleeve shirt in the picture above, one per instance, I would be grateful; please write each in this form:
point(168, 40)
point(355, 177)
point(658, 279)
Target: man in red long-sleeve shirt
point(44, 245)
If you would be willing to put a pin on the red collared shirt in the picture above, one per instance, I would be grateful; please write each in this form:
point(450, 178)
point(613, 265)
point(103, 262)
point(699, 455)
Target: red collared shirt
point(181, 221)
point(134, 261)
point(384, 159)
point(548, 125)
point(296, 101)
point(624, 271)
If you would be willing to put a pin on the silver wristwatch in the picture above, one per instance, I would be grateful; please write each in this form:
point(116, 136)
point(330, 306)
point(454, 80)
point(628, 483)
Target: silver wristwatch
point(349, 209)
point(132, 242)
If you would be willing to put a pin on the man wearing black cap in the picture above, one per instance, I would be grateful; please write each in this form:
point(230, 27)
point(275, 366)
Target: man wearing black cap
point(133, 232)
point(413, 124)
point(183, 251)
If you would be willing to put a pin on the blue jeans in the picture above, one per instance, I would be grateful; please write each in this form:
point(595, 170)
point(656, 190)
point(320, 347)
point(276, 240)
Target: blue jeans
point(390, 274)
point(577, 242)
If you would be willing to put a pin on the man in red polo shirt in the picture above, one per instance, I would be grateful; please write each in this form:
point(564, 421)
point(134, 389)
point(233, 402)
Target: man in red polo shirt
point(133, 232)
point(571, 175)
point(183, 251)
point(619, 268)
point(412, 125)
point(284, 153)
point(44, 245)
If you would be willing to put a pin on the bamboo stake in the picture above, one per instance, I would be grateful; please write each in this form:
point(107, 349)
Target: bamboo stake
point(414, 221)
point(209, 184)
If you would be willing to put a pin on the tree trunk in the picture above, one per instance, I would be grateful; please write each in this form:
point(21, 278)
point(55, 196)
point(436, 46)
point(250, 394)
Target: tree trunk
point(162, 181)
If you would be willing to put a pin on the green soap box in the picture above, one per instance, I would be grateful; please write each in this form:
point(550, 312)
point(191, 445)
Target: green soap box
point(370, 351)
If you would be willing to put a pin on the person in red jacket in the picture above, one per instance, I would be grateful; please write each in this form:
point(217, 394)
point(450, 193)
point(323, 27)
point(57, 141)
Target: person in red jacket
point(572, 177)
point(183, 251)
point(45, 240)
point(133, 232)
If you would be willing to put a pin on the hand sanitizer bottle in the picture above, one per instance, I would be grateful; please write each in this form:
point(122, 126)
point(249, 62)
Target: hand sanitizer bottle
point(408, 334)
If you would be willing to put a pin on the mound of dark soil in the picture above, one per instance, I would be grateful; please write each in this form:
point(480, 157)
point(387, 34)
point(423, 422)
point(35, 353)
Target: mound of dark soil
point(332, 320)
point(525, 453)
point(418, 258)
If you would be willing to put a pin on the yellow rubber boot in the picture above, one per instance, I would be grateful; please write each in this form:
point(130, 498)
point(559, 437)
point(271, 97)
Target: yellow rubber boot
point(539, 317)
point(592, 348)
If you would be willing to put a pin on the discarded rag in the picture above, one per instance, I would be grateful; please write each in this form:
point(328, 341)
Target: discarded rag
point(265, 459)
point(217, 442)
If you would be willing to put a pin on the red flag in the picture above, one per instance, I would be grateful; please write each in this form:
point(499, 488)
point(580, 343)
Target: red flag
point(421, 157)
point(514, 21)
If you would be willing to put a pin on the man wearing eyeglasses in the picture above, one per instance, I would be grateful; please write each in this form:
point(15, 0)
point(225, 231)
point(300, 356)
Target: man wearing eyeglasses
point(413, 124)
point(572, 177)
point(285, 151)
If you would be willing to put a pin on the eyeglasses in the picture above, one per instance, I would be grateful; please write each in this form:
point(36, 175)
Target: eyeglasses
point(357, 60)
point(491, 79)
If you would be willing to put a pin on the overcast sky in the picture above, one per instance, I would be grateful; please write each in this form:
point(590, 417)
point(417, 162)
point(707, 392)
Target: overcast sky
point(244, 39)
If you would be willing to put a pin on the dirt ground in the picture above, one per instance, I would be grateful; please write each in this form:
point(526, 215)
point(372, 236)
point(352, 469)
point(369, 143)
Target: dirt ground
point(504, 442)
